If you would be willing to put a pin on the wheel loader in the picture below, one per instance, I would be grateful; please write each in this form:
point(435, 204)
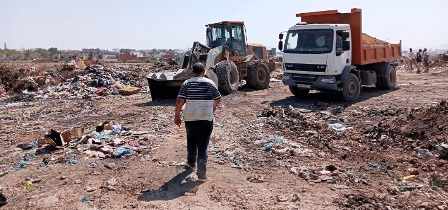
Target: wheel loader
point(228, 60)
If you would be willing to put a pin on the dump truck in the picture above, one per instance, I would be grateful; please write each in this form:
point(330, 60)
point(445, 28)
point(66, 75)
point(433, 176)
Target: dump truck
point(328, 51)
point(228, 60)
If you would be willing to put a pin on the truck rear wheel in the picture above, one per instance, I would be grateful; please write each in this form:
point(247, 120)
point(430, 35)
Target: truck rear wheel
point(351, 88)
point(258, 76)
point(299, 92)
point(228, 77)
point(387, 77)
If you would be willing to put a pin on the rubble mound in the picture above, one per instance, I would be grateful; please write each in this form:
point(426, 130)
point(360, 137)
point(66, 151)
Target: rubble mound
point(416, 128)
point(311, 129)
point(95, 79)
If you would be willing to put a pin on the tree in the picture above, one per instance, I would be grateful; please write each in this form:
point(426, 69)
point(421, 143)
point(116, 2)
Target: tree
point(53, 51)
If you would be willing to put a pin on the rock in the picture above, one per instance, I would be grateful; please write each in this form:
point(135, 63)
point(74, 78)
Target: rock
point(3, 199)
point(77, 181)
point(126, 90)
point(425, 205)
point(90, 189)
point(107, 149)
point(111, 183)
point(62, 177)
point(47, 203)
point(25, 146)
point(3, 173)
point(295, 198)
point(408, 178)
point(111, 166)
point(280, 198)
point(326, 178)
point(423, 153)
point(413, 171)
point(255, 179)
point(442, 207)
point(331, 168)
point(117, 142)
point(443, 151)
point(94, 154)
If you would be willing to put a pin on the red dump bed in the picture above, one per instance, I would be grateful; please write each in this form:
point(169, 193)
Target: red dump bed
point(365, 49)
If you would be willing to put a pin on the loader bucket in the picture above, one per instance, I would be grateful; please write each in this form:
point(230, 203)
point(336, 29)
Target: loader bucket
point(164, 87)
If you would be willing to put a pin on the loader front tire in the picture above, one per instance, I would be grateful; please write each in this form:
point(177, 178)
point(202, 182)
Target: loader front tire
point(228, 77)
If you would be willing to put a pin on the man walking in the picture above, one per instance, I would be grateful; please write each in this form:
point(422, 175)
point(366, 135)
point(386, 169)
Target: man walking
point(411, 57)
point(419, 60)
point(201, 98)
point(426, 60)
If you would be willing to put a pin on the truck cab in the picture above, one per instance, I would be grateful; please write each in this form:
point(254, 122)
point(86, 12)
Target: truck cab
point(314, 55)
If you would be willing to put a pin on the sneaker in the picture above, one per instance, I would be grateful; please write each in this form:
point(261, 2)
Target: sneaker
point(189, 179)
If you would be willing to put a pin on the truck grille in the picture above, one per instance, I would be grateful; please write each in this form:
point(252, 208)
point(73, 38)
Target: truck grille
point(305, 67)
point(303, 78)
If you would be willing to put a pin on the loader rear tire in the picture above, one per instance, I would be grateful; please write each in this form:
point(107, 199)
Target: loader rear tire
point(258, 76)
point(228, 77)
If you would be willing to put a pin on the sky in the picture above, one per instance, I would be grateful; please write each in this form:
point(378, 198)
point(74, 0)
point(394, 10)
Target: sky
point(176, 24)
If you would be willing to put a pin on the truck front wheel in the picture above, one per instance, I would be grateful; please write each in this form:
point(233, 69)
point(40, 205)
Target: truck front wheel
point(351, 88)
point(299, 92)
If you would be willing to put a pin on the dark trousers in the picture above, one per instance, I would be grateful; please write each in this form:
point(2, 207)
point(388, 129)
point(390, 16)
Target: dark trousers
point(198, 137)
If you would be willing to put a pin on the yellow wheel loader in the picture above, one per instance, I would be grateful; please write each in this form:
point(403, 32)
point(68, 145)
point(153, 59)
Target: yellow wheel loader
point(228, 60)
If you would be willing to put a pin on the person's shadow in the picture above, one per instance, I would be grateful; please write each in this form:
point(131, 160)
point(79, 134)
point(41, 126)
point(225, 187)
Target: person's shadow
point(172, 189)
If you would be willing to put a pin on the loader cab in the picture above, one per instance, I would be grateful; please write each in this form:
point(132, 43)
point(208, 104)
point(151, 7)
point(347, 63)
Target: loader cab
point(231, 34)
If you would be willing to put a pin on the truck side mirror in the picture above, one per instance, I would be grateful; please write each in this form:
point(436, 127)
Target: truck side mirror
point(280, 36)
point(345, 35)
point(280, 45)
point(345, 45)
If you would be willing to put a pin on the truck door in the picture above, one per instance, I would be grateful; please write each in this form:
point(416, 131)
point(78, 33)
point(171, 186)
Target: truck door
point(343, 53)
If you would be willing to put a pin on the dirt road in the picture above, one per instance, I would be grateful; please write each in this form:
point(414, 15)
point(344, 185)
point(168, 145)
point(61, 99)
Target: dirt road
point(256, 161)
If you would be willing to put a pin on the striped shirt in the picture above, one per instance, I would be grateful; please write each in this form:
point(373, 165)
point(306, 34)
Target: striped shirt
point(199, 93)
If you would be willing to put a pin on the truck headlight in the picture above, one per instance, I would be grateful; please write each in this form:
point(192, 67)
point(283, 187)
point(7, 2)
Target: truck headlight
point(328, 79)
point(321, 67)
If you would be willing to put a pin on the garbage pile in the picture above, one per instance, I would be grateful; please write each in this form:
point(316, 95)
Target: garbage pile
point(95, 80)
point(107, 140)
point(313, 128)
point(27, 77)
point(419, 129)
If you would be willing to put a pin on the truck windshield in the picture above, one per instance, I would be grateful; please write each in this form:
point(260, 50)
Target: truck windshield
point(309, 41)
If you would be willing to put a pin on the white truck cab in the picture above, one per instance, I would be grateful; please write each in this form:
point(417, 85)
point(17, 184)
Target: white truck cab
point(314, 55)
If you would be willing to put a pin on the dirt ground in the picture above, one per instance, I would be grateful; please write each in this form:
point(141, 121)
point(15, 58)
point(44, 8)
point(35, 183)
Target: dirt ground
point(269, 150)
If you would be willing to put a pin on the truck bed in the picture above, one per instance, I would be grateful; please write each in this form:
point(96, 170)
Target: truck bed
point(365, 49)
point(374, 50)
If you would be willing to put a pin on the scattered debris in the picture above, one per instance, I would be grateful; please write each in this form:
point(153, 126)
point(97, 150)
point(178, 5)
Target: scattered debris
point(122, 152)
point(255, 178)
point(111, 166)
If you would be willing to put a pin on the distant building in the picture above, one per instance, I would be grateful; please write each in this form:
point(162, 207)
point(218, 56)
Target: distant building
point(4, 46)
